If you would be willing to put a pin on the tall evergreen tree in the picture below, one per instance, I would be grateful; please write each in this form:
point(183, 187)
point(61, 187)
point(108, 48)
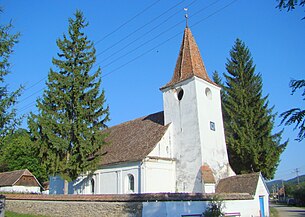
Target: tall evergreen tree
point(248, 119)
point(8, 119)
point(72, 113)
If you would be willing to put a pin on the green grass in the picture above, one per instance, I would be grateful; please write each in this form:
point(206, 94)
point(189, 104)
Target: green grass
point(273, 212)
point(13, 214)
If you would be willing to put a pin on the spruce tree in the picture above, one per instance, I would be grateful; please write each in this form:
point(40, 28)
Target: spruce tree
point(248, 119)
point(8, 119)
point(296, 115)
point(72, 111)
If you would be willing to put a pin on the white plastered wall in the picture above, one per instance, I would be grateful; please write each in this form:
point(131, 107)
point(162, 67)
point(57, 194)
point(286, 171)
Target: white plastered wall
point(158, 176)
point(112, 179)
point(158, 169)
point(176, 208)
point(20, 189)
point(213, 145)
point(182, 114)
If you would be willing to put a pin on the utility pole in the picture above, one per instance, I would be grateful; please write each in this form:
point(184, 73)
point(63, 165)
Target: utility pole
point(284, 190)
point(297, 172)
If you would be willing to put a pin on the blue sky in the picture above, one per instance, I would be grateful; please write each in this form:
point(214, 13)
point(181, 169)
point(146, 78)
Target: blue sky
point(137, 45)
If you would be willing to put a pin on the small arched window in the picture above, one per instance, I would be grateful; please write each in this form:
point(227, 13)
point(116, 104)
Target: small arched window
point(180, 94)
point(92, 186)
point(130, 183)
point(208, 93)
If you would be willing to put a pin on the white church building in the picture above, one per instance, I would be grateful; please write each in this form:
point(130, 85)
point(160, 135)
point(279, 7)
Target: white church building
point(181, 149)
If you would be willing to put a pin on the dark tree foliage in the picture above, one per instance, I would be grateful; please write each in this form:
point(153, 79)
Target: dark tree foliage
point(8, 120)
point(290, 4)
point(71, 113)
point(248, 120)
point(19, 152)
point(215, 208)
point(296, 115)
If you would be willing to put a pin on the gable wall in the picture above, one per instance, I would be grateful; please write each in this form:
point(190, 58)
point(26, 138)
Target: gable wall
point(262, 191)
point(164, 148)
point(27, 181)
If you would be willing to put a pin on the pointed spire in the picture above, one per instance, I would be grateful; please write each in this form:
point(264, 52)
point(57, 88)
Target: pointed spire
point(189, 63)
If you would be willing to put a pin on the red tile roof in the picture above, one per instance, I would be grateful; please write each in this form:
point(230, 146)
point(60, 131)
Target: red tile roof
point(189, 63)
point(246, 183)
point(207, 174)
point(133, 140)
point(12, 177)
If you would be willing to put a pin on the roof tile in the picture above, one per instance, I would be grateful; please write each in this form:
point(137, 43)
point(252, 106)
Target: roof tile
point(189, 61)
point(133, 140)
point(10, 178)
point(246, 183)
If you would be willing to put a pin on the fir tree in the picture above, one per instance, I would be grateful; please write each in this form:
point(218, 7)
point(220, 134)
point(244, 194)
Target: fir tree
point(248, 119)
point(72, 113)
point(296, 115)
point(8, 119)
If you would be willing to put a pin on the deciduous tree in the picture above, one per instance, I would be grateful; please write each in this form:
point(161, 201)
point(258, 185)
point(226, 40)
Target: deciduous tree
point(19, 152)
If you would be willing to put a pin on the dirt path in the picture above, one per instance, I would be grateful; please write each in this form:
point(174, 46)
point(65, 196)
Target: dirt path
point(289, 211)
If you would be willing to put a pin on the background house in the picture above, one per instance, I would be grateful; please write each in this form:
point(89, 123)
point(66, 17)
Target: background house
point(21, 181)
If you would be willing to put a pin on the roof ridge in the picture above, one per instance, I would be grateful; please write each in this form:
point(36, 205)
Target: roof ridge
point(126, 122)
point(14, 171)
point(242, 175)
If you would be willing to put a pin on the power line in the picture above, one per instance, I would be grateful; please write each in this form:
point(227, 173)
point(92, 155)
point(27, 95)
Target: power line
point(125, 23)
point(157, 36)
point(132, 60)
point(33, 94)
point(144, 53)
point(141, 36)
point(133, 32)
point(122, 38)
point(216, 12)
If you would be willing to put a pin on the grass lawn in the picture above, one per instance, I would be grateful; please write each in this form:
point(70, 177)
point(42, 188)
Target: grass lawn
point(13, 214)
point(273, 212)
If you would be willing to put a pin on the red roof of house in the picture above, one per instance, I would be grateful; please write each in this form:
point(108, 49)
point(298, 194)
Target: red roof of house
point(12, 177)
point(207, 174)
point(246, 183)
point(133, 140)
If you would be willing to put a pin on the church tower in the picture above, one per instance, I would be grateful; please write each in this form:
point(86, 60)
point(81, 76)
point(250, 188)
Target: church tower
point(192, 105)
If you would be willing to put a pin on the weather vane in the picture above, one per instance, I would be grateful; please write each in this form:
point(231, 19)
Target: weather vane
point(186, 16)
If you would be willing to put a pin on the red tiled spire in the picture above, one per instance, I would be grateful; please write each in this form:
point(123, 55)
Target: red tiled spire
point(189, 61)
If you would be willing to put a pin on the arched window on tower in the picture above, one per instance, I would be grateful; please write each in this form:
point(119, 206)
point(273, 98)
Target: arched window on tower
point(92, 182)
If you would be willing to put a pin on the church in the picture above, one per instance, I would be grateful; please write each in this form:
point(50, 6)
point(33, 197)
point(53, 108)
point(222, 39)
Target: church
point(180, 149)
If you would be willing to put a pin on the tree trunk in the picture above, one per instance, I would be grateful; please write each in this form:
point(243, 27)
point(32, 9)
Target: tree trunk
point(66, 186)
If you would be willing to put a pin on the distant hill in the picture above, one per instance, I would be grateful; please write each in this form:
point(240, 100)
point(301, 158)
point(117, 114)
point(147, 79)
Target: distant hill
point(279, 182)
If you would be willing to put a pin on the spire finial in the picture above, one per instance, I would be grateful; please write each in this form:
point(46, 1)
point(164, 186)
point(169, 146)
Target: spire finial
point(186, 17)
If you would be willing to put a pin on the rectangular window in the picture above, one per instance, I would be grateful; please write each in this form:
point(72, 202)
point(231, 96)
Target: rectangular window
point(212, 126)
